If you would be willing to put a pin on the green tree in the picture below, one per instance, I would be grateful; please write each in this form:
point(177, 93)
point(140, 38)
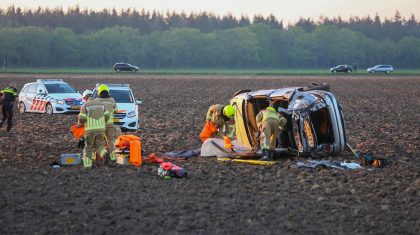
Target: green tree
point(240, 48)
point(33, 46)
point(300, 52)
point(8, 38)
point(182, 47)
point(64, 47)
point(408, 54)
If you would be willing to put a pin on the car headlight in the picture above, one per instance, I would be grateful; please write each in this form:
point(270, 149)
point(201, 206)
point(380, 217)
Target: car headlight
point(131, 114)
point(58, 101)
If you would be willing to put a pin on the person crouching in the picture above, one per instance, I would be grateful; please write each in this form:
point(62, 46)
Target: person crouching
point(94, 117)
point(269, 123)
point(111, 129)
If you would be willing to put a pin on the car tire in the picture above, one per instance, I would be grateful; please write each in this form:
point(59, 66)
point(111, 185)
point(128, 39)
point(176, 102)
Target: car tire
point(334, 71)
point(49, 109)
point(22, 107)
point(387, 72)
point(372, 72)
point(118, 70)
point(314, 86)
point(241, 91)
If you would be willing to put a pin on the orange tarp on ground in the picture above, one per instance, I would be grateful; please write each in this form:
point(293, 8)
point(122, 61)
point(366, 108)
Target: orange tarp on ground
point(133, 143)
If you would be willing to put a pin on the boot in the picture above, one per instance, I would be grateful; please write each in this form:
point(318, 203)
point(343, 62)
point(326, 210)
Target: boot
point(112, 156)
point(87, 162)
point(106, 159)
point(272, 154)
point(265, 155)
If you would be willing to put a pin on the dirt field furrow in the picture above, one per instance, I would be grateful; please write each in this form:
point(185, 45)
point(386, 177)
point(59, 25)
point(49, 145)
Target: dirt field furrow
point(381, 113)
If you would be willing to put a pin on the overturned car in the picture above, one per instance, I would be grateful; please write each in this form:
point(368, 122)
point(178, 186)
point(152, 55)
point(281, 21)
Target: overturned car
point(315, 123)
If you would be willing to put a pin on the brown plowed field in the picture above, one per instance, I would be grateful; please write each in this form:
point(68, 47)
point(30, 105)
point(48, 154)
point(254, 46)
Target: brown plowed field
point(381, 113)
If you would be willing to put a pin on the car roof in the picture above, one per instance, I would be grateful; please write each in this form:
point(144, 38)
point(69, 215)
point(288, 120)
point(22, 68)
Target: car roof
point(115, 86)
point(50, 81)
point(273, 93)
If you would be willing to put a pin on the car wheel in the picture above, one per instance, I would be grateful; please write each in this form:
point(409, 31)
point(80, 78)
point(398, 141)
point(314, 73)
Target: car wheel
point(241, 91)
point(118, 70)
point(373, 71)
point(133, 70)
point(22, 108)
point(334, 71)
point(315, 86)
point(387, 72)
point(348, 71)
point(49, 109)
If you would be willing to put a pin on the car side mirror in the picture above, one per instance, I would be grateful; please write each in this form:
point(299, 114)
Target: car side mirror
point(139, 102)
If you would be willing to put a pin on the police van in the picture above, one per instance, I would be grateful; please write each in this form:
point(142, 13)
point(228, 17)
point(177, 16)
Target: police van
point(49, 96)
point(127, 116)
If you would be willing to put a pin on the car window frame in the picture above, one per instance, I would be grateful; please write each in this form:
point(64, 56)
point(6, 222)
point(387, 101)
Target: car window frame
point(25, 89)
point(75, 90)
point(42, 86)
point(29, 86)
point(95, 95)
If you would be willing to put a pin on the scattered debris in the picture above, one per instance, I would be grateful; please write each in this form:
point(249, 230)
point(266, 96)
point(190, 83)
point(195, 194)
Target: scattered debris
point(214, 147)
point(129, 144)
point(248, 161)
point(367, 159)
point(67, 159)
point(316, 164)
point(182, 154)
point(350, 165)
point(152, 158)
point(169, 170)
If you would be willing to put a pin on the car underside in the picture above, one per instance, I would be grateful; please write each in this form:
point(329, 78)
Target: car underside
point(315, 124)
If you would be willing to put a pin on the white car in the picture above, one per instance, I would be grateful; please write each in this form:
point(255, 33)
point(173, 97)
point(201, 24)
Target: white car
point(381, 68)
point(127, 116)
point(49, 96)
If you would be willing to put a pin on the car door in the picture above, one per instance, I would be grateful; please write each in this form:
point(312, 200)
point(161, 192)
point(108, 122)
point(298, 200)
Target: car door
point(41, 92)
point(29, 99)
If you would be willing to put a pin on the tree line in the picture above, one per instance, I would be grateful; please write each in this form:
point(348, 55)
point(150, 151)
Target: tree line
point(86, 20)
point(62, 39)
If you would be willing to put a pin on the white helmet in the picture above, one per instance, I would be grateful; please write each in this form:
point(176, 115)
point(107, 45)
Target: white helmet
point(87, 92)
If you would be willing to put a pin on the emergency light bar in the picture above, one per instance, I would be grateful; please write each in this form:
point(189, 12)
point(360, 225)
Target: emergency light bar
point(49, 80)
point(114, 85)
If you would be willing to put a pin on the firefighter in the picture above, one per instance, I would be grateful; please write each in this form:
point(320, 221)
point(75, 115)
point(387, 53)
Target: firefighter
point(222, 117)
point(87, 95)
point(111, 107)
point(94, 117)
point(8, 96)
point(269, 123)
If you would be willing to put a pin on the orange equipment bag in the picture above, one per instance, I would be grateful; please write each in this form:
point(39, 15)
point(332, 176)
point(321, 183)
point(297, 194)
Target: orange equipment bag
point(78, 132)
point(133, 143)
point(207, 131)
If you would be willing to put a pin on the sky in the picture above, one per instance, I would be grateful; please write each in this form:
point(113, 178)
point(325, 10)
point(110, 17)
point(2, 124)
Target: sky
point(287, 10)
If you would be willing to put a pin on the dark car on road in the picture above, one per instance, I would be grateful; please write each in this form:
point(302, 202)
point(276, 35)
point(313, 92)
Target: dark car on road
point(342, 68)
point(118, 67)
